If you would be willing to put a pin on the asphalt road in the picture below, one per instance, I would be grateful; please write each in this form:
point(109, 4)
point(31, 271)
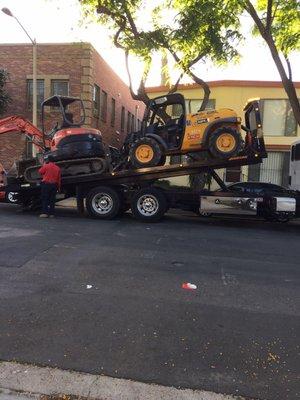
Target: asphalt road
point(105, 297)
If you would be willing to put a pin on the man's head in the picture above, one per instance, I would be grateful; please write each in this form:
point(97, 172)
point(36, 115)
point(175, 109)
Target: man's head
point(49, 158)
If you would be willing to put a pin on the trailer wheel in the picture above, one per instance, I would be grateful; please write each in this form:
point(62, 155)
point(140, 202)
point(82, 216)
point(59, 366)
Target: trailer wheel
point(149, 204)
point(11, 197)
point(225, 142)
point(103, 202)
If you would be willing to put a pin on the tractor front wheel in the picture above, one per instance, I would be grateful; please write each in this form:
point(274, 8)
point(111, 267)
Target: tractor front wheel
point(145, 152)
point(225, 142)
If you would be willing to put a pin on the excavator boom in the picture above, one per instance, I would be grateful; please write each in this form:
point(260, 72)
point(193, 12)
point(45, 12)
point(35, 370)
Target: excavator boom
point(17, 123)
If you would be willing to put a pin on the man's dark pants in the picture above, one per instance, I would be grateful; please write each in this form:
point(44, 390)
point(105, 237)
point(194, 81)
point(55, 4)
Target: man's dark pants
point(48, 194)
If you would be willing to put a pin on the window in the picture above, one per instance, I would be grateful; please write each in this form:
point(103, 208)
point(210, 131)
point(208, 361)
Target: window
point(40, 93)
point(113, 112)
point(59, 87)
point(193, 105)
point(132, 123)
point(278, 118)
point(103, 106)
point(128, 121)
point(274, 169)
point(123, 119)
point(96, 101)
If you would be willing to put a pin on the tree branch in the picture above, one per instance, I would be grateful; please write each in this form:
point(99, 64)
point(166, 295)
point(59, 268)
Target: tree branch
point(141, 94)
point(251, 10)
point(175, 86)
point(269, 16)
point(289, 68)
point(118, 33)
point(196, 79)
point(130, 20)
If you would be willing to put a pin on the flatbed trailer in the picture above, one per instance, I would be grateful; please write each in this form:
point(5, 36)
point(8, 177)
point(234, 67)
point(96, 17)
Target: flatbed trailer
point(105, 196)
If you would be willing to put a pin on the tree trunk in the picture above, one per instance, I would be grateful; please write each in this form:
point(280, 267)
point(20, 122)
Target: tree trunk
point(286, 82)
point(205, 88)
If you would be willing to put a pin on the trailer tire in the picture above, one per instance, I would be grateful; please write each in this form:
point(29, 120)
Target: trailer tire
point(103, 202)
point(11, 197)
point(149, 204)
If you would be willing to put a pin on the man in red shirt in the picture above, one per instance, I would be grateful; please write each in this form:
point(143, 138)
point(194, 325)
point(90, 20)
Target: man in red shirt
point(51, 182)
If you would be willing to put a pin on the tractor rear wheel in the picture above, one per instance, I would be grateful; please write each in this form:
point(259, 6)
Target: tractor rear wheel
point(225, 142)
point(145, 152)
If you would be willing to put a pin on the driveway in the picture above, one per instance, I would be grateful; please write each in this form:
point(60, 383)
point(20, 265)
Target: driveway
point(105, 297)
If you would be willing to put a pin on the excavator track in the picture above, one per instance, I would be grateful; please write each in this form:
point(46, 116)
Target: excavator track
point(71, 168)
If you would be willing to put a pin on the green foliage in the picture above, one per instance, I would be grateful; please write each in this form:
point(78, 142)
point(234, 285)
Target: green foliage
point(203, 29)
point(210, 26)
point(5, 98)
point(285, 23)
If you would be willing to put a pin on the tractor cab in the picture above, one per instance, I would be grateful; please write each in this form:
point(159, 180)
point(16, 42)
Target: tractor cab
point(165, 118)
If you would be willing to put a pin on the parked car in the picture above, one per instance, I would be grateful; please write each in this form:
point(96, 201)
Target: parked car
point(259, 189)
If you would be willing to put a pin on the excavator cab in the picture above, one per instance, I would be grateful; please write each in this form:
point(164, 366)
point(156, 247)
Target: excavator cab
point(167, 129)
point(68, 139)
point(69, 111)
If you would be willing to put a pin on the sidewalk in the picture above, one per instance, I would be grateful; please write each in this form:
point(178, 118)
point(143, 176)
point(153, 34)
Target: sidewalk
point(27, 382)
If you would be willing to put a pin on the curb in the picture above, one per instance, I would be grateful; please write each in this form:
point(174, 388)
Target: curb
point(47, 381)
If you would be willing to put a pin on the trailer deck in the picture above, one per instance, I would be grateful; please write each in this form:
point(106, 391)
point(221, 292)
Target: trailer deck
point(165, 171)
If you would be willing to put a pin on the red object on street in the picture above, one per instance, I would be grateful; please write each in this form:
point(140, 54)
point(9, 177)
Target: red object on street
point(50, 173)
point(189, 286)
point(2, 196)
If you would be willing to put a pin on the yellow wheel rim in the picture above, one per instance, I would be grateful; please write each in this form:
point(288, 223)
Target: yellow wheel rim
point(226, 142)
point(144, 153)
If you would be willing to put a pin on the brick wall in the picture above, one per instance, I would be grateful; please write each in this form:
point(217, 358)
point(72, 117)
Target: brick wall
point(78, 63)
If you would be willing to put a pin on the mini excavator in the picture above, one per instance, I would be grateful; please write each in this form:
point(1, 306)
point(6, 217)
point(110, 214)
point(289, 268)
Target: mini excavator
point(76, 149)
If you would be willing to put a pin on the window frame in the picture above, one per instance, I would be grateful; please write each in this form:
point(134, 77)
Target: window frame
point(96, 100)
point(112, 112)
point(128, 121)
point(287, 103)
point(61, 81)
point(188, 105)
point(103, 104)
point(29, 105)
point(123, 116)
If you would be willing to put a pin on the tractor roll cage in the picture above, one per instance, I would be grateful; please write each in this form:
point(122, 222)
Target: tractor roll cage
point(158, 102)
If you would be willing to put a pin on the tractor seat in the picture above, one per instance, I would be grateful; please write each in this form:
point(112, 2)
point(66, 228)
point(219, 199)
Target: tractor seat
point(174, 128)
